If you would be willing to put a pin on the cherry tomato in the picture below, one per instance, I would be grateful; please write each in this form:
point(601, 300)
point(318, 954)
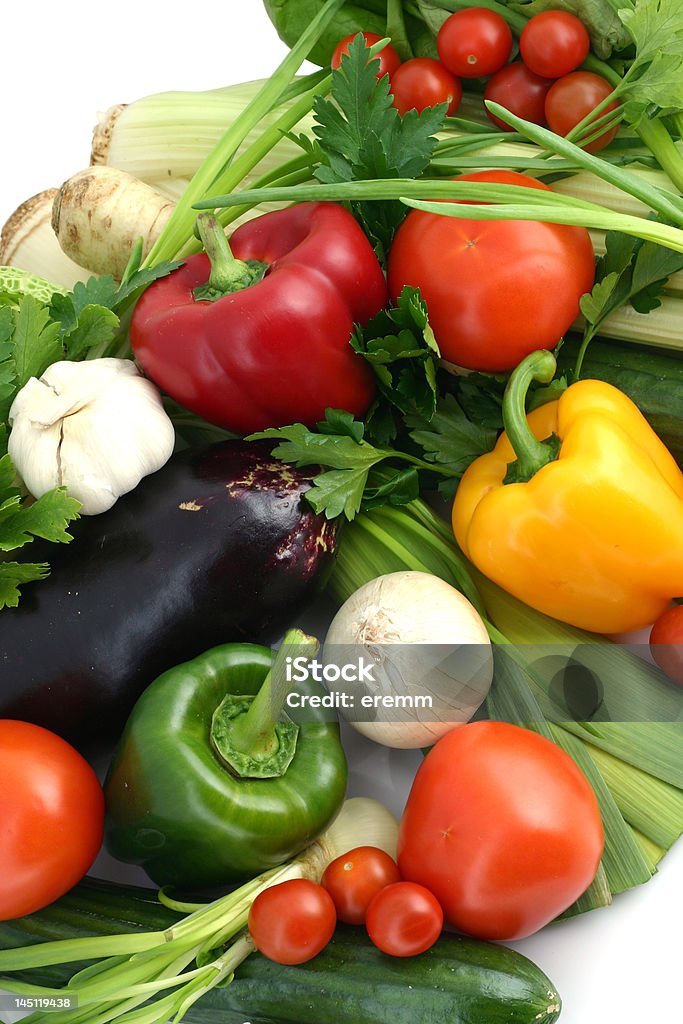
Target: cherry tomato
point(572, 98)
point(503, 827)
point(554, 43)
point(353, 880)
point(51, 815)
point(495, 290)
point(404, 919)
point(423, 82)
point(292, 922)
point(666, 643)
point(474, 42)
point(388, 59)
point(520, 91)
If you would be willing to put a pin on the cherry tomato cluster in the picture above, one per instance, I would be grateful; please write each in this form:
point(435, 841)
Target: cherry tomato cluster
point(292, 922)
point(543, 87)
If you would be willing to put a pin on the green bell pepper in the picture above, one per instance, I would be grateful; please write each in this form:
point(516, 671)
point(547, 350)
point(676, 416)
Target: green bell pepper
point(207, 785)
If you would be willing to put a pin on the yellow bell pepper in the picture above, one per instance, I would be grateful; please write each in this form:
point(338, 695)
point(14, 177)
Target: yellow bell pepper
point(578, 510)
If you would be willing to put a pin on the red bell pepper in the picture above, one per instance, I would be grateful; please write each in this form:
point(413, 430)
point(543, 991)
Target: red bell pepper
point(258, 336)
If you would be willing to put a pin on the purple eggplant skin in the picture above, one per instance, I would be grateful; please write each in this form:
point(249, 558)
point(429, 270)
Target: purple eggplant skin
point(219, 545)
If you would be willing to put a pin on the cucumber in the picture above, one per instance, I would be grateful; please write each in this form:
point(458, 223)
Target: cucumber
point(457, 981)
point(652, 378)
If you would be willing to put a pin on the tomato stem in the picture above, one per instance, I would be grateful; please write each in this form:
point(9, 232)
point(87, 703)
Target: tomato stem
point(531, 453)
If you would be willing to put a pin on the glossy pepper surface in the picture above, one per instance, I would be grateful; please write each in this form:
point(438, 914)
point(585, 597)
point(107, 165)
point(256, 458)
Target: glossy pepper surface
point(594, 537)
point(179, 808)
point(270, 345)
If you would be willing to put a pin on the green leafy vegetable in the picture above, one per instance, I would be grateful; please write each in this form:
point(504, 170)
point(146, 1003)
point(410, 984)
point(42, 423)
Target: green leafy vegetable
point(631, 271)
point(656, 73)
point(361, 136)
point(35, 340)
point(450, 438)
point(401, 348)
point(339, 445)
point(20, 522)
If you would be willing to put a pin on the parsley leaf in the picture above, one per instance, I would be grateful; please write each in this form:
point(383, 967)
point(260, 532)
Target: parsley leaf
point(35, 341)
point(14, 574)
point(631, 271)
point(400, 346)
point(349, 461)
point(450, 438)
point(88, 315)
point(340, 446)
point(361, 135)
point(656, 74)
point(20, 522)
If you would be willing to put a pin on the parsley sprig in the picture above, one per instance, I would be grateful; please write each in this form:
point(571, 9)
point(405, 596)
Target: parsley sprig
point(346, 486)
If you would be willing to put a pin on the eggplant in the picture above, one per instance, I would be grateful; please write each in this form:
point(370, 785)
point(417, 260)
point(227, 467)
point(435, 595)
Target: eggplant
point(217, 546)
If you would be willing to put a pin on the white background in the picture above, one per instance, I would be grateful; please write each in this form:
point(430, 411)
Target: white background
point(63, 62)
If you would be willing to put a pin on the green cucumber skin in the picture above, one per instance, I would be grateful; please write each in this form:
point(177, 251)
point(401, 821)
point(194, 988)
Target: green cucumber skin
point(458, 981)
point(652, 378)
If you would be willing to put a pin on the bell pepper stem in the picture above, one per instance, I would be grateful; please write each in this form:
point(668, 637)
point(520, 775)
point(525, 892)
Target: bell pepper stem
point(531, 453)
point(246, 734)
point(228, 274)
point(254, 732)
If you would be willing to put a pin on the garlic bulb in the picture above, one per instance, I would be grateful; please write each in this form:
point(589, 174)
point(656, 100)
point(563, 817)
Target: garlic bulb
point(96, 427)
point(409, 659)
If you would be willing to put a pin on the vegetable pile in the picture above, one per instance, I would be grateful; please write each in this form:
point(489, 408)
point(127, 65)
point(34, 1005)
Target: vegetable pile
point(455, 286)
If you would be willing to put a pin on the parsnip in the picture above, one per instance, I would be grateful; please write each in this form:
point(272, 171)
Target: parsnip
point(100, 213)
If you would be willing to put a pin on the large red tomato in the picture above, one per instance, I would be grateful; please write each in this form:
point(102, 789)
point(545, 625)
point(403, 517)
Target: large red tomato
point(502, 827)
point(495, 290)
point(51, 818)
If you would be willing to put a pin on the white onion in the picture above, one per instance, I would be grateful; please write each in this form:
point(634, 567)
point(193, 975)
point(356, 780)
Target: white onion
point(426, 648)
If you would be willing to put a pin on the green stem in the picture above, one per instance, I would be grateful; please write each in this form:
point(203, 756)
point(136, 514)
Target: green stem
point(180, 226)
point(431, 467)
point(531, 453)
point(227, 273)
point(254, 733)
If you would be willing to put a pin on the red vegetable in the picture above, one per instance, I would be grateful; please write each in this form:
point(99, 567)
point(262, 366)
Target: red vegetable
point(273, 351)
point(51, 818)
point(572, 98)
point(553, 43)
point(495, 290)
point(666, 643)
point(404, 919)
point(292, 922)
point(474, 42)
point(388, 59)
point(519, 91)
point(355, 878)
point(503, 828)
point(423, 82)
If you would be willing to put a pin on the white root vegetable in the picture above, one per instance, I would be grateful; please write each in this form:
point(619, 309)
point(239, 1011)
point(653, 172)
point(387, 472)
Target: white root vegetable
point(100, 213)
point(28, 242)
point(426, 659)
point(96, 427)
